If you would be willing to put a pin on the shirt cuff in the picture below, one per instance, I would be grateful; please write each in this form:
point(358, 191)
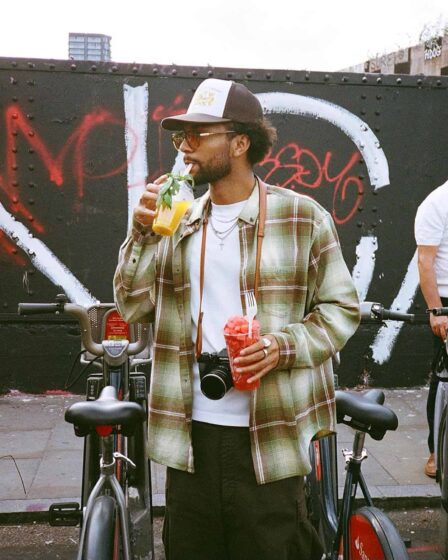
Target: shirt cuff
point(287, 349)
point(143, 234)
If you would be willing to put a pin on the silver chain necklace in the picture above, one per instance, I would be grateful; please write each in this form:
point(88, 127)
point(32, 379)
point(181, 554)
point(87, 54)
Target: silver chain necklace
point(222, 235)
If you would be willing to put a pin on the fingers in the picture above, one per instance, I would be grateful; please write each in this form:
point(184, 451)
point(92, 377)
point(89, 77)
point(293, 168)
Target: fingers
point(257, 359)
point(145, 210)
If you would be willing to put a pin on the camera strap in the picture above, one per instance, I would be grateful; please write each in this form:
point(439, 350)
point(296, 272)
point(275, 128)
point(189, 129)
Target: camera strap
point(262, 190)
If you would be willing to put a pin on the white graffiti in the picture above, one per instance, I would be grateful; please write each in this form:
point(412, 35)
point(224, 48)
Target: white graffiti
point(355, 128)
point(365, 264)
point(44, 260)
point(136, 114)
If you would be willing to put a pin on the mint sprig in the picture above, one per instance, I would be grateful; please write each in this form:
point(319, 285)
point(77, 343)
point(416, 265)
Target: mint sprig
point(171, 187)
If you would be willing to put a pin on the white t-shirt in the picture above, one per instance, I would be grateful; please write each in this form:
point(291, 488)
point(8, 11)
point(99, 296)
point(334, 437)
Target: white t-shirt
point(220, 301)
point(431, 228)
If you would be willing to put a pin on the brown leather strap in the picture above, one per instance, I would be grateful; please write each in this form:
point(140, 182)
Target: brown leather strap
point(262, 190)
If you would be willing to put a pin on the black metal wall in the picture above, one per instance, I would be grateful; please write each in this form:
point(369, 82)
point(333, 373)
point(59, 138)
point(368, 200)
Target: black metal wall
point(368, 147)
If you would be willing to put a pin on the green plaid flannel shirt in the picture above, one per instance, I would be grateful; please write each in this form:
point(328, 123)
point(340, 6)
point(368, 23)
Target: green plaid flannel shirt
point(307, 300)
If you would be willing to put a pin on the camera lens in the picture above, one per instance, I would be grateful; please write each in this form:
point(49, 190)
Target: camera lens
point(216, 383)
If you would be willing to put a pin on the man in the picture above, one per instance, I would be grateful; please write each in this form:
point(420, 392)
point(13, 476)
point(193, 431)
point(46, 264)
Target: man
point(431, 235)
point(236, 465)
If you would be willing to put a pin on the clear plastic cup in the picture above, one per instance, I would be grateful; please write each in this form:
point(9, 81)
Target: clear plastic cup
point(235, 343)
point(167, 220)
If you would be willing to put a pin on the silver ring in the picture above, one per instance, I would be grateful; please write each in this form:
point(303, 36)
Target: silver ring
point(265, 352)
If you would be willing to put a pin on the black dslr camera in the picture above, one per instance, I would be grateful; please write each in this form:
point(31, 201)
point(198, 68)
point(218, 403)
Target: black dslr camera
point(215, 374)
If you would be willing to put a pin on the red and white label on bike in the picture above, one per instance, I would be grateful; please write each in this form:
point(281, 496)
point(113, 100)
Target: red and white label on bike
point(116, 328)
point(364, 541)
point(317, 467)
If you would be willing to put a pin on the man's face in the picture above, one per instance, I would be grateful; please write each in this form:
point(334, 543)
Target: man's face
point(210, 155)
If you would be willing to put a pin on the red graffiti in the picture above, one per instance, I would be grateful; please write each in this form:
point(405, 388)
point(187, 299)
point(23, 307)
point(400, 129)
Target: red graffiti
point(304, 170)
point(11, 250)
point(175, 108)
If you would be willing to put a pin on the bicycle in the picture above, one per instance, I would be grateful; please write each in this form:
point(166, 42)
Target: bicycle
point(115, 514)
point(367, 532)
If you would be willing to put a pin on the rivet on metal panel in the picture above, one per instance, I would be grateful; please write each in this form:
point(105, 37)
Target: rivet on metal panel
point(210, 73)
point(52, 66)
point(31, 167)
point(31, 133)
point(360, 208)
point(194, 72)
point(360, 224)
point(419, 82)
point(93, 68)
point(379, 80)
point(14, 167)
point(155, 70)
point(15, 200)
point(377, 113)
point(30, 82)
point(363, 111)
point(230, 74)
point(377, 129)
point(375, 193)
point(30, 150)
point(114, 68)
point(73, 67)
point(12, 81)
point(30, 116)
point(248, 74)
point(326, 78)
point(374, 225)
point(363, 96)
point(439, 82)
point(31, 65)
point(268, 76)
point(14, 150)
point(379, 97)
point(31, 200)
point(364, 79)
point(14, 64)
point(15, 98)
point(287, 77)
point(134, 69)
point(31, 184)
point(344, 79)
point(307, 77)
point(14, 133)
point(173, 72)
point(398, 80)
point(374, 209)
point(362, 177)
point(15, 116)
point(15, 183)
point(30, 99)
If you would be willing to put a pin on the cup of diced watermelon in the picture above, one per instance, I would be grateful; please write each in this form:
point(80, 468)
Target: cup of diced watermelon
point(236, 334)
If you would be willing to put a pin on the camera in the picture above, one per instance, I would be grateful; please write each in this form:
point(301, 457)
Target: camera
point(215, 374)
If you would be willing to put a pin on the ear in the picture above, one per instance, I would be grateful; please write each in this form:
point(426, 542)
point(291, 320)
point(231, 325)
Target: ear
point(239, 145)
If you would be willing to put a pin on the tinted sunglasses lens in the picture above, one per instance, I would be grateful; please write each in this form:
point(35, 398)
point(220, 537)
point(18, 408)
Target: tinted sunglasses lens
point(177, 139)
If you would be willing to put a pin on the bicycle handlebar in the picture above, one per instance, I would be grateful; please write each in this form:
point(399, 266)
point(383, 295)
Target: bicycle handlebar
point(439, 311)
point(82, 316)
point(376, 312)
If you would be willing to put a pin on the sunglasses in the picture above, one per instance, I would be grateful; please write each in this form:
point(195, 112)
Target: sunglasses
point(193, 139)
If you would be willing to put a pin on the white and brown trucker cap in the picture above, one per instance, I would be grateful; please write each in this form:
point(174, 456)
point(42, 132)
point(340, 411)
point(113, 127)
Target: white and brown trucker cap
point(218, 101)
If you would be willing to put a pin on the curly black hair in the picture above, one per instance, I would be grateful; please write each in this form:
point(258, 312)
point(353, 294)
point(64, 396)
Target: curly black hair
point(262, 136)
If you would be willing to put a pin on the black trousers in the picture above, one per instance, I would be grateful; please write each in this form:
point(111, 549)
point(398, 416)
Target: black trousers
point(221, 513)
point(433, 384)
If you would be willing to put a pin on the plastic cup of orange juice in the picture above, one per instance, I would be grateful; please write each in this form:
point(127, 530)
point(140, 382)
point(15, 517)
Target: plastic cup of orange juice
point(167, 220)
point(236, 334)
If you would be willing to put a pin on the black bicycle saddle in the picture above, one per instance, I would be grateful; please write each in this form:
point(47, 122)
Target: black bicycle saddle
point(365, 412)
point(107, 410)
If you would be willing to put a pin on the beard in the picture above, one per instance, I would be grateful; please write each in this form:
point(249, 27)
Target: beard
point(213, 171)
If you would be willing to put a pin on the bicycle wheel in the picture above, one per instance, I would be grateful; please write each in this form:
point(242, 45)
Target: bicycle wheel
point(441, 448)
point(99, 539)
point(373, 535)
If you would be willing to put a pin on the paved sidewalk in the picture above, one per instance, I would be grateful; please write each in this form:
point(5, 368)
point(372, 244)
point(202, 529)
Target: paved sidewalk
point(48, 454)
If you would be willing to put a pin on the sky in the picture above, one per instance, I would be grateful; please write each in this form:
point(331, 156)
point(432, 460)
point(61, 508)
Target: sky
point(320, 35)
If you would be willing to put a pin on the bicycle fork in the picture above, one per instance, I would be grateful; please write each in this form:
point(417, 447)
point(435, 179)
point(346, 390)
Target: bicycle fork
point(107, 479)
